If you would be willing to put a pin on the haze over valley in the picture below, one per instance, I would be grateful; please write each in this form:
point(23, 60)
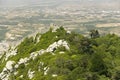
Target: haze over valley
point(21, 18)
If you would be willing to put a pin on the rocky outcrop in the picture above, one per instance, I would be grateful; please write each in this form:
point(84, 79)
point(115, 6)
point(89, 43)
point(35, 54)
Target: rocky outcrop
point(12, 66)
point(8, 69)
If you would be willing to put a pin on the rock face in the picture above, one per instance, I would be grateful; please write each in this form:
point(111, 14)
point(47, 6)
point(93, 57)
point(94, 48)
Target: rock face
point(55, 45)
point(31, 74)
point(9, 65)
point(23, 60)
point(3, 47)
point(10, 53)
point(4, 75)
point(12, 66)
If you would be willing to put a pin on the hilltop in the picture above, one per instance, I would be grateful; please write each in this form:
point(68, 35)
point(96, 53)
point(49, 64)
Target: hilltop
point(63, 55)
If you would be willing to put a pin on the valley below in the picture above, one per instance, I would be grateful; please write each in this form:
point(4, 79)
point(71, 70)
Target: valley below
point(16, 23)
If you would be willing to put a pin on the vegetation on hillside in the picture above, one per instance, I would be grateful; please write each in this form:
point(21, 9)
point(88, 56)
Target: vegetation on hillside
point(94, 58)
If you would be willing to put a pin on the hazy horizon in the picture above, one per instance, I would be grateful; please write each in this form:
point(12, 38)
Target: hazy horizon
point(97, 3)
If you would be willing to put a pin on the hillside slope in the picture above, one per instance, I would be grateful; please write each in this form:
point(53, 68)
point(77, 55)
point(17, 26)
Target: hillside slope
point(63, 55)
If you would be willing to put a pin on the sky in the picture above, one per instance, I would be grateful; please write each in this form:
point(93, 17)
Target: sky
point(17, 3)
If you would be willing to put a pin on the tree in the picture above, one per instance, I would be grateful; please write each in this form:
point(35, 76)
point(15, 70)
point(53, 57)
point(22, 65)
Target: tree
point(85, 46)
point(94, 34)
point(98, 64)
